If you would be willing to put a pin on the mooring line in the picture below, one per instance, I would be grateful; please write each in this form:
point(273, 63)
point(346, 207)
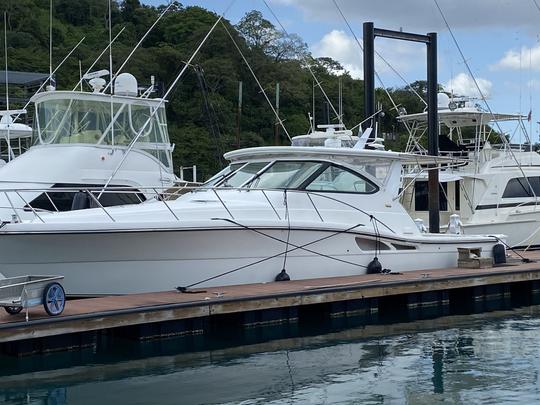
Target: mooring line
point(296, 247)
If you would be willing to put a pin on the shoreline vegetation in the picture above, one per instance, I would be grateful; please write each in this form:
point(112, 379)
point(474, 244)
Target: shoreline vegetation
point(202, 110)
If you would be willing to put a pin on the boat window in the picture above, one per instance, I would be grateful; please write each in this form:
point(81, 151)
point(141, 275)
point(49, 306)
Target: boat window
point(243, 174)
point(283, 174)
point(421, 202)
point(519, 187)
point(63, 200)
point(378, 168)
point(338, 179)
point(371, 244)
point(84, 121)
point(217, 178)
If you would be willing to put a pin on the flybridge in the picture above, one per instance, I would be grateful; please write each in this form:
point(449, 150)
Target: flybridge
point(97, 118)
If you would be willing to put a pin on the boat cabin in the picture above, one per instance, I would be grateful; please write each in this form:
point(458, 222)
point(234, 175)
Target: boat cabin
point(338, 170)
point(84, 118)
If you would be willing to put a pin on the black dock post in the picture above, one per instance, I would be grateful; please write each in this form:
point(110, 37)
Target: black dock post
point(433, 132)
point(369, 75)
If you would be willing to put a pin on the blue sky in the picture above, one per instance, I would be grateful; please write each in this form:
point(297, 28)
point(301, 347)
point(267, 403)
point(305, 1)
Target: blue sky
point(499, 38)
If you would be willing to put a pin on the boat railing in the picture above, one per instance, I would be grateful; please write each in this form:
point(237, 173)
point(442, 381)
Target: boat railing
point(167, 195)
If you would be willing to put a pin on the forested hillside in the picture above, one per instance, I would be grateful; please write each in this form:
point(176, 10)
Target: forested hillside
point(201, 130)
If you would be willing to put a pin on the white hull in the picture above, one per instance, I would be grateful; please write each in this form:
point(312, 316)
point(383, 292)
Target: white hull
point(520, 233)
point(157, 260)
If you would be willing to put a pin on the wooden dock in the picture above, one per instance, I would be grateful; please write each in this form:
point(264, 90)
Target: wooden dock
point(163, 314)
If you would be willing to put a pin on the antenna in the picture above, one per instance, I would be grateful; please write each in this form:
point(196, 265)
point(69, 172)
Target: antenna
point(111, 73)
point(51, 80)
point(6, 62)
point(98, 58)
point(53, 72)
point(110, 47)
point(7, 86)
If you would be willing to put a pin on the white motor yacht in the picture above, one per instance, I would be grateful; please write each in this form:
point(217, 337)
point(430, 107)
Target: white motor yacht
point(496, 191)
point(76, 146)
point(311, 211)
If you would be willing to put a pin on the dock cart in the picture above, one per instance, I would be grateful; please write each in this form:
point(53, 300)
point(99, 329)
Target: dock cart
point(18, 293)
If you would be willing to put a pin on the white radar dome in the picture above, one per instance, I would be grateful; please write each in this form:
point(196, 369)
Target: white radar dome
point(442, 100)
point(125, 85)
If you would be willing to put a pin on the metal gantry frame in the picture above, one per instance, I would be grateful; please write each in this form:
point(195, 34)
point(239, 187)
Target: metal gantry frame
point(430, 39)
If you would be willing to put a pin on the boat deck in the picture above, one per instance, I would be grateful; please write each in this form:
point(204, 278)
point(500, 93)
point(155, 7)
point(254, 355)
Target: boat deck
point(106, 313)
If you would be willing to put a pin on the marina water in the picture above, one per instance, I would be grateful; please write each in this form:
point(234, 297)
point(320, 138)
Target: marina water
point(489, 358)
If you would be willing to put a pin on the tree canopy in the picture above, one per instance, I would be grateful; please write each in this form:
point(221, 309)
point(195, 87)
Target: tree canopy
point(203, 108)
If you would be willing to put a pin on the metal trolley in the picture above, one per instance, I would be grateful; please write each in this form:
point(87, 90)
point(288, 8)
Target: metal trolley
point(18, 293)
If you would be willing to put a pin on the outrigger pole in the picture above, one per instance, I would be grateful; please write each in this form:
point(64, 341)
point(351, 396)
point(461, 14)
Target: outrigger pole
point(430, 39)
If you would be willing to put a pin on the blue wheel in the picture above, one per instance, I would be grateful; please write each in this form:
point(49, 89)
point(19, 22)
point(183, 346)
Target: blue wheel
point(54, 299)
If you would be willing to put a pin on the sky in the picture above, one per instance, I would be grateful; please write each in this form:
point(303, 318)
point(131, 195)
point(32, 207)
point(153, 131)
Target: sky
point(499, 39)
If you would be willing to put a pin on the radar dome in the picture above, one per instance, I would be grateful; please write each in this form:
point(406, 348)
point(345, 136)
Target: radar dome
point(125, 85)
point(442, 100)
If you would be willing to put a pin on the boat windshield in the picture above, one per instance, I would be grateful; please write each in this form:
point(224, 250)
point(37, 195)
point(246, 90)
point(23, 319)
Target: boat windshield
point(285, 175)
point(281, 174)
point(88, 121)
point(243, 174)
point(217, 178)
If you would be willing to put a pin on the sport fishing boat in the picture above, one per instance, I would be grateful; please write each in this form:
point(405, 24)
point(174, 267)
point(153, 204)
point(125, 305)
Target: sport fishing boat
point(82, 138)
point(496, 190)
point(306, 212)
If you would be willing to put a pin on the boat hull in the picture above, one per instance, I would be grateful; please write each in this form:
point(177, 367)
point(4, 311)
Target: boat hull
point(520, 232)
point(122, 262)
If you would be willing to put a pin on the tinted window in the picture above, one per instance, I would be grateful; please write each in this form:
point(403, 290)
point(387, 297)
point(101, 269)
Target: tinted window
point(285, 175)
point(63, 200)
point(421, 202)
point(335, 178)
point(244, 174)
point(217, 178)
point(519, 187)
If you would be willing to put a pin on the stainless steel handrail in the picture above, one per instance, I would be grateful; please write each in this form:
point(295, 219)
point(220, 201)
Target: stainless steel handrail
point(160, 194)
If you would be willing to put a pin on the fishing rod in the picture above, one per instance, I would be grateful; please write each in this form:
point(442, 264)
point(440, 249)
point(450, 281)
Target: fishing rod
point(163, 99)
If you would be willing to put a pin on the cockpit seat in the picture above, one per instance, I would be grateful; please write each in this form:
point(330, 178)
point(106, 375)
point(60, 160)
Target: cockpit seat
point(89, 137)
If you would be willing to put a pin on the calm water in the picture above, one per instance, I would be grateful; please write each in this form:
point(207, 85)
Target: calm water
point(486, 358)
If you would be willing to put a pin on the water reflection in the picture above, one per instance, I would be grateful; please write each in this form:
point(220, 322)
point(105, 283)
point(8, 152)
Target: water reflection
point(460, 359)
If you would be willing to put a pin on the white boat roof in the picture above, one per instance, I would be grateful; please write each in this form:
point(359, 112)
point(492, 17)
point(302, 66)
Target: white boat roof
point(462, 117)
point(90, 96)
point(266, 152)
point(13, 129)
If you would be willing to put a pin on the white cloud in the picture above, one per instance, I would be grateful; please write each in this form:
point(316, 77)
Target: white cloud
point(339, 46)
point(423, 15)
point(463, 85)
point(521, 59)
point(343, 48)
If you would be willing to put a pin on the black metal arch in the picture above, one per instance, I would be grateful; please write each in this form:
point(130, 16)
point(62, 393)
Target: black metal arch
point(430, 39)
